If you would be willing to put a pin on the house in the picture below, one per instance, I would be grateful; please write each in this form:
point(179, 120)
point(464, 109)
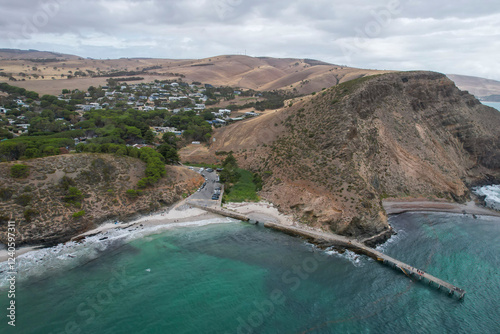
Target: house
point(251, 114)
point(199, 106)
point(164, 129)
point(3, 110)
point(139, 146)
point(224, 111)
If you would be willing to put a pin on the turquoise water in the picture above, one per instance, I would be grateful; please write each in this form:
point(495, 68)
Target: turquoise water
point(495, 105)
point(238, 278)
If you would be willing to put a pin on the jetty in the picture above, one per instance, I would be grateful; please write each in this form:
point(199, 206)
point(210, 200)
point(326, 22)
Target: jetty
point(222, 212)
point(360, 248)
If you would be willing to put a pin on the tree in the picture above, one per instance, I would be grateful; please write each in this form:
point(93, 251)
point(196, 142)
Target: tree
point(229, 173)
point(169, 153)
point(149, 137)
point(169, 138)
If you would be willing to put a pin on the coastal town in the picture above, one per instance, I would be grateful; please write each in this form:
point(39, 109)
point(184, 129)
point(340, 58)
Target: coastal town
point(21, 114)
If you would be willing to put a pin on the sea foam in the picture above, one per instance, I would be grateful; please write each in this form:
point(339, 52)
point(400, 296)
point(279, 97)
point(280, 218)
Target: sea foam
point(37, 263)
point(492, 194)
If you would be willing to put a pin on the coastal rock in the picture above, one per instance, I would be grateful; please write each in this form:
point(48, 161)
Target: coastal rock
point(329, 159)
point(43, 214)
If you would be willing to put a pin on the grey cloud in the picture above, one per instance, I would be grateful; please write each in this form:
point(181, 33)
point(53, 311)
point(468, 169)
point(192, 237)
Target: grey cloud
point(458, 36)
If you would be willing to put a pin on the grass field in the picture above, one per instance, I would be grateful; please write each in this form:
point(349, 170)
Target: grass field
point(244, 190)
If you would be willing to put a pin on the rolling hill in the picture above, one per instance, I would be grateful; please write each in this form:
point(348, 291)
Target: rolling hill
point(48, 73)
point(484, 89)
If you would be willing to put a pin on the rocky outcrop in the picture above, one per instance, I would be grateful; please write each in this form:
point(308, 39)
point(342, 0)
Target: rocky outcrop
point(43, 209)
point(333, 157)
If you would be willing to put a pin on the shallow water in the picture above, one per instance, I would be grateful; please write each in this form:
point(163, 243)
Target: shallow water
point(495, 105)
point(238, 278)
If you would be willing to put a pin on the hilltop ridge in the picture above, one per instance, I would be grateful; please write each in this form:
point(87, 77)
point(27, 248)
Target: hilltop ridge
point(48, 73)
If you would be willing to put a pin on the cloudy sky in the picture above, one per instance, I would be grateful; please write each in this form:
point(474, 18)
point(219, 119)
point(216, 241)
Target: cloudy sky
point(460, 36)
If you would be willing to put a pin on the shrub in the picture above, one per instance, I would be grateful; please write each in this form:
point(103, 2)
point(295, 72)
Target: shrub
point(29, 214)
point(79, 214)
point(23, 200)
point(132, 193)
point(19, 171)
point(6, 194)
point(66, 182)
point(73, 195)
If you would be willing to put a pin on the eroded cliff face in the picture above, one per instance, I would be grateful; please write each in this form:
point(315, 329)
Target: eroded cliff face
point(335, 156)
point(42, 214)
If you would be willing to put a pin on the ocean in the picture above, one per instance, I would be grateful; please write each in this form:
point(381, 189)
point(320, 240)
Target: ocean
point(226, 276)
point(495, 105)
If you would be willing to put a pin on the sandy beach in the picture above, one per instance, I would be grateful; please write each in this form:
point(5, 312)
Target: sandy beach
point(397, 207)
point(177, 214)
point(261, 212)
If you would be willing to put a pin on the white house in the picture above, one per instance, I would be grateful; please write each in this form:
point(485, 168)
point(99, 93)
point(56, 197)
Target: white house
point(199, 106)
point(3, 110)
point(224, 111)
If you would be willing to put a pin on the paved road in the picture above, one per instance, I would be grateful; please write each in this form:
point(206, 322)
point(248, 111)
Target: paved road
point(204, 196)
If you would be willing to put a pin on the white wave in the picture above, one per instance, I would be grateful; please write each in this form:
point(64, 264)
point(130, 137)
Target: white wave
point(492, 194)
point(401, 234)
point(352, 257)
point(72, 254)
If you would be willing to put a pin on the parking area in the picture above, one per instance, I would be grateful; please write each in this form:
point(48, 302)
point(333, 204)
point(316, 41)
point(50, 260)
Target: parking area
point(210, 193)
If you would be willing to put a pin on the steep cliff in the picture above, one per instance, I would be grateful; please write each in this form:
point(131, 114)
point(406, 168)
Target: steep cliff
point(56, 188)
point(330, 159)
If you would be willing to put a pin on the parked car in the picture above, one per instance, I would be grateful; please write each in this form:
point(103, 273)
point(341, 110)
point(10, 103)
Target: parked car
point(210, 170)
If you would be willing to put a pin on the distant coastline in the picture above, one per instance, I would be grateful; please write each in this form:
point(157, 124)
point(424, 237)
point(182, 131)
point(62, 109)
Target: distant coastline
point(492, 104)
point(394, 207)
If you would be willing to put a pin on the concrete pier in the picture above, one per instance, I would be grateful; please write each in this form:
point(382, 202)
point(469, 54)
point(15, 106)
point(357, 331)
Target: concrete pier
point(222, 212)
point(361, 248)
